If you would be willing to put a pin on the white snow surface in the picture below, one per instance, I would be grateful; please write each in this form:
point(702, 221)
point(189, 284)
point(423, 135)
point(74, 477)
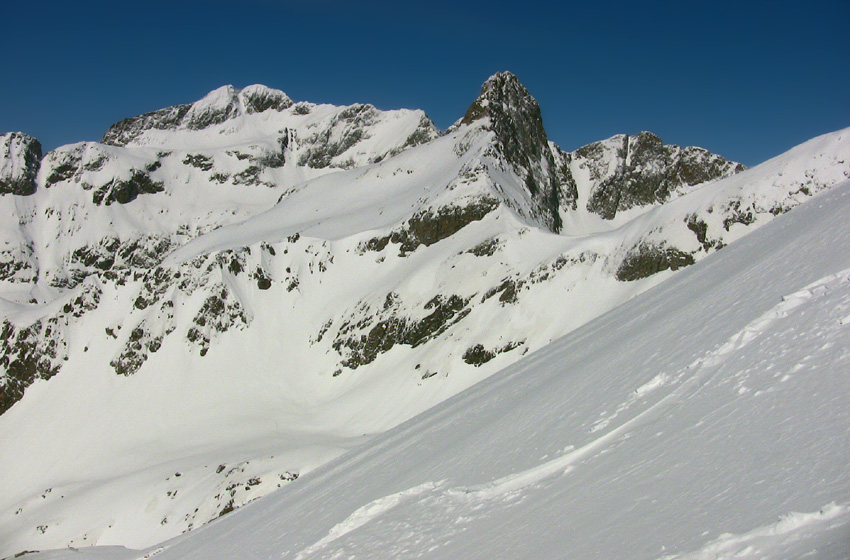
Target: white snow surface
point(707, 418)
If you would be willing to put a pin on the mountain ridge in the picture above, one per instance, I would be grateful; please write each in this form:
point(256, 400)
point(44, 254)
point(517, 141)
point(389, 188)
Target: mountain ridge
point(260, 281)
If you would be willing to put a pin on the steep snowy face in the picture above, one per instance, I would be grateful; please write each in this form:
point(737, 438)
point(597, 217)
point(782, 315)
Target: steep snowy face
point(20, 156)
point(262, 283)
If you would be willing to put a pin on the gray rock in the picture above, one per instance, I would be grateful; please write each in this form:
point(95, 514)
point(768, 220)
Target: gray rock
point(515, 118)
point(20, 158)
point(646, 171)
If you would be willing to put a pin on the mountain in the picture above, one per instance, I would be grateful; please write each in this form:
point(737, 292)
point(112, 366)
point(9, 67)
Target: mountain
point(706, 418)
point(221, 297)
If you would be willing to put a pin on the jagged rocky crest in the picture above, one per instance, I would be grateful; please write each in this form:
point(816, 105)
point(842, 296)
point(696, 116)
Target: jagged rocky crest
point(646, 171)
point(515, 119)
point(217, 107)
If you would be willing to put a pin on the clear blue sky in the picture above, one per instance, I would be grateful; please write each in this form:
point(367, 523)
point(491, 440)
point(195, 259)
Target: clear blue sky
point(745, 79)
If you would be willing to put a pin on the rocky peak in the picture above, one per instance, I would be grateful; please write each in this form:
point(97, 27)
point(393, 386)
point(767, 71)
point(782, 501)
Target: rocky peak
point(217, 107)
point(259, 98)
point(514, 114)
point(515, 118)
point(640, 170)
point(20, 158)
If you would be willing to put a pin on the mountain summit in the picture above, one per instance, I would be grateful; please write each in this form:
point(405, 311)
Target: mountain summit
point(227, 294)
point(217, 107)
point(515, 119)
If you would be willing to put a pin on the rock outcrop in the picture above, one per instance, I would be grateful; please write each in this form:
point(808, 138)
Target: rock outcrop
point(633, 171)
point(20, 157)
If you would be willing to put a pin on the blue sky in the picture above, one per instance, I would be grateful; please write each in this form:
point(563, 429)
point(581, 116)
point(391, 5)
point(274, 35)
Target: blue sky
point(745, 79)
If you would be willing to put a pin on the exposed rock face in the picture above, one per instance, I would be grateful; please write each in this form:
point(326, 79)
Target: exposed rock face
point(124, 131)
point(348, 129)
point(80, 164)
point(20, 157)
point(646, 260)
point(38, 350)
point(219, 106)
point(387, 327)
point(515, 118)
point(632, 171)
point(429, 227)
point(258, 99)
point(351, 126)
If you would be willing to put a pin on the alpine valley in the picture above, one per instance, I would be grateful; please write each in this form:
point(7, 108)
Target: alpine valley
point(219, 298)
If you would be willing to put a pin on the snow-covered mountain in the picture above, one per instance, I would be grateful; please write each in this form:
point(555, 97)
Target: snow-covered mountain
point(220, 297)
point(704, 419)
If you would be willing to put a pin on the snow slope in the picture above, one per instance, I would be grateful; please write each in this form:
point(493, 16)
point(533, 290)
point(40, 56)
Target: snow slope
point(707, 418)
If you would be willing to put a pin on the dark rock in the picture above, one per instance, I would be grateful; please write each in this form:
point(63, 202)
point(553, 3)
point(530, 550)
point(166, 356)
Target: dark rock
point(478, 355)
point(139, 345)
point(508, 289)
point(349, 127)
point(425, 132)
point(429, 227)
point(515, 118)
point(647, 172)
point(125, 191)
point(486, 248)
point(16, 265)
point(735, 214)
point(258, 99)
point(204, 163)
point(217, 107)
point(249, 176)
point(220, 312)
point(646, 260)
point(20, 159)
point(276, 158)
point(29, 353)
point(127, 130)
point(393, 329)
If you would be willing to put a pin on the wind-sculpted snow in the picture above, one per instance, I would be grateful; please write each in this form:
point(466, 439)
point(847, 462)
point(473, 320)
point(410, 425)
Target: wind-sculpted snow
point(251, 281)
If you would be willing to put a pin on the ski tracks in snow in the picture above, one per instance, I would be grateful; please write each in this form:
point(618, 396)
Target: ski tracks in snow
point(738, 341)
point(440, 501)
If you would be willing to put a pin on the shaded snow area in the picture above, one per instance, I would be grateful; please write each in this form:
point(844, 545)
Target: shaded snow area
point(707, 418)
